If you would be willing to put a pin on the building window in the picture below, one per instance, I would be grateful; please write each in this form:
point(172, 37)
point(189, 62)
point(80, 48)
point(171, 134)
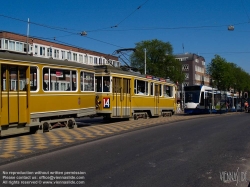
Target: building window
point(49, 52)
point(90, 60)
point(80, 58)
point(36, 49)
point(42, 51)
point(86, 59)
point(185, 67)
point(12, 45)
point(6, 44)
point(69, 55)
point(95, 61)
point(74, 57)
point(56, 53)
point(186, 76)
point(63, 55)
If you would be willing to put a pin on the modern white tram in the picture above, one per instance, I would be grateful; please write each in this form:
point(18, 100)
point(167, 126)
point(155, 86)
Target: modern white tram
point(200, 99)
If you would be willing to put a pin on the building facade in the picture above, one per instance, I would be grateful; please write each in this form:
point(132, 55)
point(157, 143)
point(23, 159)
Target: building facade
point(17, 43)
point(194, 68)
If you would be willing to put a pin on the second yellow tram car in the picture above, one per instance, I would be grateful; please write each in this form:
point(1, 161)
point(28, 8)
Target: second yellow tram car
point(43, 93)
point(126, 94)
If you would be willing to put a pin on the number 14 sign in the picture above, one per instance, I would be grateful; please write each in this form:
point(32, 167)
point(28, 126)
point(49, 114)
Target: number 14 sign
point(106, 102)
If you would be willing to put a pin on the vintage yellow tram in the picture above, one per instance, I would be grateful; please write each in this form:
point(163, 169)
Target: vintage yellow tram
point(42, 93)
point(125, 94)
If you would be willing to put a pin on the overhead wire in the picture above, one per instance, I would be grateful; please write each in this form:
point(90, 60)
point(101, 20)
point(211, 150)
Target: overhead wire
point(57, 28)
point(130, 14)
point(115, 26)
point(245, 10)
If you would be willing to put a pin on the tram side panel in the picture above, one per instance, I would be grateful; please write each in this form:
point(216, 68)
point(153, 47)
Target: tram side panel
point(66, 93)
point(25, 101)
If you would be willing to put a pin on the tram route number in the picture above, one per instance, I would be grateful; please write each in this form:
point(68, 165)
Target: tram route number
point(106, 102)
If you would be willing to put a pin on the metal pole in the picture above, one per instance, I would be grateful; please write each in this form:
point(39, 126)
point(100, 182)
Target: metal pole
point(145, 66)
point(27, 45)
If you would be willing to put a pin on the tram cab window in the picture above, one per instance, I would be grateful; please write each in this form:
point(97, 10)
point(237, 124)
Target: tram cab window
point(63, 80)
point(102, 84)
point(141, 87)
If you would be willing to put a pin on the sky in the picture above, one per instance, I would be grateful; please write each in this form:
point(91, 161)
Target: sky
point(190, 26)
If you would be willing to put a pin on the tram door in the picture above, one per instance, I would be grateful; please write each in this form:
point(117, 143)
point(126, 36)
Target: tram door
point(126, 97)
point(156, 99)
point(121, 97)
point(15, 94)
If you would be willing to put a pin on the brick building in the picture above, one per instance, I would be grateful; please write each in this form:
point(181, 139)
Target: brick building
point(18, 43)
point(194, 68)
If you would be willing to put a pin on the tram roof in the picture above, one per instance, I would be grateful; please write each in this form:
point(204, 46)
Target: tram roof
point(112, 69)
point(5, 55)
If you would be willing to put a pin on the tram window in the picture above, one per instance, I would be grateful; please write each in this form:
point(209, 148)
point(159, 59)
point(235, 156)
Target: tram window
point(87, 81)
point(33, 78)
point(141, 87)
point(22, 78)
point(63, 80)
point(168, 91)
point(160, 88)
point(151, 88)
point(3, 78)
point(202, 99)
point(106, 84)
point(13, 78)
point(98, 84)
point(126, 86)
point(116, 84)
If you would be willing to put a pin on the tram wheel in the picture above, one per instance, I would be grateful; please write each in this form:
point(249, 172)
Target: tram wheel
point(70, 124)
point(135, 117)
point(45, 127)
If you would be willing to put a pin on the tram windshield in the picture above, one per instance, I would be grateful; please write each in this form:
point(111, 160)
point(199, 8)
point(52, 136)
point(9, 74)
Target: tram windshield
point(192, 96)
point(102, 84)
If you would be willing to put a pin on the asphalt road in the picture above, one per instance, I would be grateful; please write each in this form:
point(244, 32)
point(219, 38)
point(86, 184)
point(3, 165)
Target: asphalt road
point(198, 152)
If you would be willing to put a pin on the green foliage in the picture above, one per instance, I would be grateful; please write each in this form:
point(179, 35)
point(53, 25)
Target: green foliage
point(159, 60)
point(228, 75)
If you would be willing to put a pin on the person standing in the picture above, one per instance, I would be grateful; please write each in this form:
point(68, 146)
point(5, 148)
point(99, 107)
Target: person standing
point(178, 107)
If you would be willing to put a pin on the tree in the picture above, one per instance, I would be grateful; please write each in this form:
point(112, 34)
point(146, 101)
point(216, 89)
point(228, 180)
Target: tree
point(159, 60)
point(228, 75)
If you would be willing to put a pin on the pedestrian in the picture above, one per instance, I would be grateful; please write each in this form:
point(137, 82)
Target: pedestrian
point(246, 106)
point(178, 107)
